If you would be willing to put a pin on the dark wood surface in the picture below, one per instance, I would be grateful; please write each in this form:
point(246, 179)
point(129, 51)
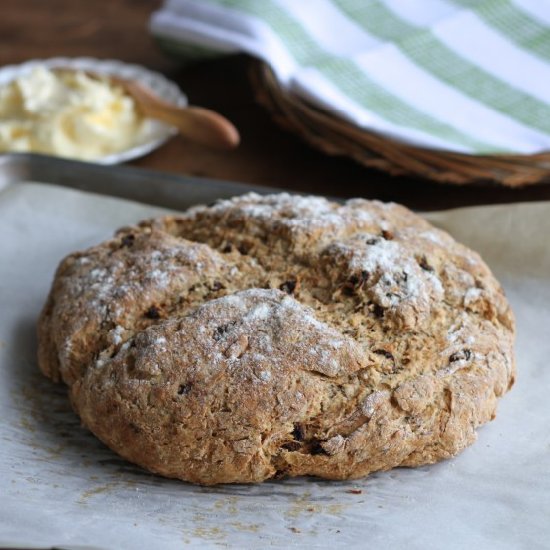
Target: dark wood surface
point(268, 155)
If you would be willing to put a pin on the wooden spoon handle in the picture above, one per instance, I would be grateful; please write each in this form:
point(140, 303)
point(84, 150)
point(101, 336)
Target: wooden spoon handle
point(198, 124)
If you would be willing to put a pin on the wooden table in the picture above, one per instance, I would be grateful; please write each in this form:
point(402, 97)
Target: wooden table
point(267, 155)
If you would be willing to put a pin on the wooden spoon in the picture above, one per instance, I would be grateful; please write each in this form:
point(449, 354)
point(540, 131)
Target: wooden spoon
point(195, 123)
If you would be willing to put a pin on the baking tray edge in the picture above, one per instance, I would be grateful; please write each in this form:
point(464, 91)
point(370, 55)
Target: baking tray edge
point(173, 191)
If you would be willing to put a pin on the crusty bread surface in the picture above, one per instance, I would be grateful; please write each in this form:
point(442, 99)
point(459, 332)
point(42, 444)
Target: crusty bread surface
point(273, 336)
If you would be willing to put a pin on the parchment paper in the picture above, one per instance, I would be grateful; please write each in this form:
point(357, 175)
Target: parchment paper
point(60, 486)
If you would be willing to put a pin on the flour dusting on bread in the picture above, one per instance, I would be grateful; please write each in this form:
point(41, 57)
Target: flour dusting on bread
point(280, 335)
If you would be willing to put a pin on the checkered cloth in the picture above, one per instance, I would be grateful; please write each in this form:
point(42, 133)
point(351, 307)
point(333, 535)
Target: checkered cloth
point(462, 75)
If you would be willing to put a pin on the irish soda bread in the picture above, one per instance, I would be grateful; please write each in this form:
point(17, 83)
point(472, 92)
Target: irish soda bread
point(272, 336)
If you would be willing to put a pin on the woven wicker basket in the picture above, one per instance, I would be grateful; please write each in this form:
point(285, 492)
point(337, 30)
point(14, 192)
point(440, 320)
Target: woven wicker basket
point(335, 136)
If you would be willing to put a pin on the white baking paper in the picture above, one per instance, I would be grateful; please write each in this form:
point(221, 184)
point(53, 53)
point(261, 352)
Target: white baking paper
point(60, 486)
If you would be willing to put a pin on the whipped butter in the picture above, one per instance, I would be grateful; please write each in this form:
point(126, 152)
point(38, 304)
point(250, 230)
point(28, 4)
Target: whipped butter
point(68, 114)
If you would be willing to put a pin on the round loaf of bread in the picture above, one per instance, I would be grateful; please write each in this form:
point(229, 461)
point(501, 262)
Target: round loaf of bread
point(273, 336)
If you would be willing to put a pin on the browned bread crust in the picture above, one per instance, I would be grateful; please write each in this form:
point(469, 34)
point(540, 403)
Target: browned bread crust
point(280, 336)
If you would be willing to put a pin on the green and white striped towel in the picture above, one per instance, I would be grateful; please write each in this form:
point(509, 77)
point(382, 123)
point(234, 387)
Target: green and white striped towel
point(462, 75)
